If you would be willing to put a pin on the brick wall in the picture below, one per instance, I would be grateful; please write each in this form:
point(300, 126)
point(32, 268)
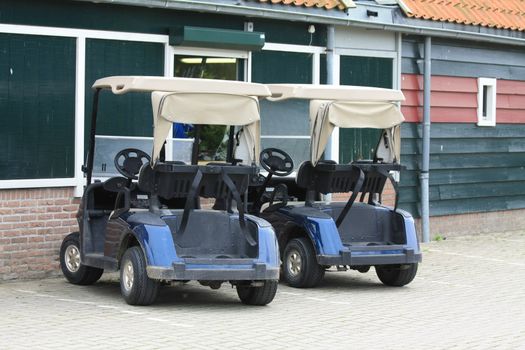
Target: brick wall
point(388, 196)
point(475, 223)
point(32, 225)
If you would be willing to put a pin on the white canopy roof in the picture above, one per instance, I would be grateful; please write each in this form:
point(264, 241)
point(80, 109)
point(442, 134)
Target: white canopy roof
point(334, 93)
point(197, 101)
point(124, 84)
point(346, 107)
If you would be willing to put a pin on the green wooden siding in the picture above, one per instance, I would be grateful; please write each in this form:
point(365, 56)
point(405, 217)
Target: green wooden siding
point(130, 114)
point(356, 144)
point(472, 169)
point(37, 105)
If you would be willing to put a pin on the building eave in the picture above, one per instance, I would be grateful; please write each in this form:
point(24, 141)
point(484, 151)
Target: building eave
point(389, 18)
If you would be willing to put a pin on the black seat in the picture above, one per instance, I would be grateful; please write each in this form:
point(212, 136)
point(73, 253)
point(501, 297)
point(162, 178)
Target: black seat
point(376, 175)
point(330, 177)
point(189, 182)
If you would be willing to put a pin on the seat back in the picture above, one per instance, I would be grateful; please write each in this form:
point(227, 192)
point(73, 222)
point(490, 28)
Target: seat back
point(327, 177)
point(219, 181)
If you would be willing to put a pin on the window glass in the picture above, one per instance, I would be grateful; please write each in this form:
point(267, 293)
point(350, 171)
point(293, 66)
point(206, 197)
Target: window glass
point(357, 144)
point(284, 124)
point(486, 102)
point(128, 114)
point(37, 107)
point(213, 138)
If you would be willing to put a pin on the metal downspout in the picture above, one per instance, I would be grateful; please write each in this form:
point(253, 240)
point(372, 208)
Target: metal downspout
point(425, 161)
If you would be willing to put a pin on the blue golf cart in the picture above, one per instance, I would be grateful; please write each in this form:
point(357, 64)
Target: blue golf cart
point(148, 223)
point(316, 233)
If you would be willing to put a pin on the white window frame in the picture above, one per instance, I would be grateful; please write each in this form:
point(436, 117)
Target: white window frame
point(490, 118)
point(316, 52)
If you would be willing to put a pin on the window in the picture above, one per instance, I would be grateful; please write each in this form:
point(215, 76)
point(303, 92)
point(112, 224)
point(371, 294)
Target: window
point(486, 102)
point(284, 124)
point(37, 107)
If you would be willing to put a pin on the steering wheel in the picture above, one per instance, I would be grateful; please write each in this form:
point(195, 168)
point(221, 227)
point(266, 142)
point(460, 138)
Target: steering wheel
point(129, 161)
point(276, 162)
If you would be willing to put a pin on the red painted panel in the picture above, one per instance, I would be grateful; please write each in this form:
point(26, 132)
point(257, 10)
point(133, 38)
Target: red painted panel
point(511, 87)
point(411, 82)
point(441, 114)
point(442, 99)
point(454, 100)
point(510, 116)
point(511, 102)
point(412, 98)
point(440, 83)
point(454, 115)
point(454, 84)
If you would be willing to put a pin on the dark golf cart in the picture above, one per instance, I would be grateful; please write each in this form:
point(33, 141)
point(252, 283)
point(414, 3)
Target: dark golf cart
point(315, 235)
point(148, 222)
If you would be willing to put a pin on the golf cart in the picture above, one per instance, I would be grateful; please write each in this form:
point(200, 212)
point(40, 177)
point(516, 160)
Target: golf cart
point(147, 222)
point(315, 235)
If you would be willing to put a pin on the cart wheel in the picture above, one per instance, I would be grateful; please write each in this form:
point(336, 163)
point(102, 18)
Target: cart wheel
point(396, 275)
point(71, 265)
point(257, 295)
point(135, 285)
point(300, 268)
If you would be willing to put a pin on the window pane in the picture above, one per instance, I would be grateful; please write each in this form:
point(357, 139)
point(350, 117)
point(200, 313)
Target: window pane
point(281, 67)
point(213, 138)
point(37, 105)
point(223, 68)
point(356, 144)
point(485, 100)
point(289, 117)
point(107, 147)
point(298, 149)
point(129, 114)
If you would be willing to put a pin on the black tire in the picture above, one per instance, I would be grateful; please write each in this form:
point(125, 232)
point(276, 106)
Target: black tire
point(71, 266)
point(396, 275)
point(257, 295)
point(135, 285)
point(307, 272)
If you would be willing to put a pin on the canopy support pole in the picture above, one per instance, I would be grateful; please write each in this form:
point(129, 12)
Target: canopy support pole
point(91, 152)
point(196, 141)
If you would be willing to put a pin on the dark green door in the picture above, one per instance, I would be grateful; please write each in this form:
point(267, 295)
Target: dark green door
point(355, 144)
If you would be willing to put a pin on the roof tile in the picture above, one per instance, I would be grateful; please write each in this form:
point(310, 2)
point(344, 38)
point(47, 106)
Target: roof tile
point(327, 4)
point(502, 14)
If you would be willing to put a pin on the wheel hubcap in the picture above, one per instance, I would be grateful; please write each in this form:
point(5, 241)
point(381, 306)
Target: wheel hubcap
point(294, 263)
point(128, 276)
point(72, 258)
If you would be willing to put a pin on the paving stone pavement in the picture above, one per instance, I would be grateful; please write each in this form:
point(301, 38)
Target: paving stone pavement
point(469, 294)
